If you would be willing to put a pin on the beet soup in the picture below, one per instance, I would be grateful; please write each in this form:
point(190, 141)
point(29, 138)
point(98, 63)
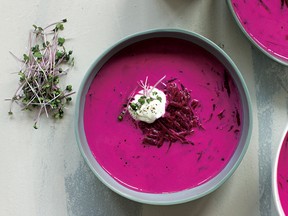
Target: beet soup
point(266, 22)
point(117, 145)
point(282, 175)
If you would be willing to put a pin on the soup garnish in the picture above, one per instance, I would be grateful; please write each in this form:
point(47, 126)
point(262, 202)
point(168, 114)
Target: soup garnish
point(164, 116)
point(149, 103)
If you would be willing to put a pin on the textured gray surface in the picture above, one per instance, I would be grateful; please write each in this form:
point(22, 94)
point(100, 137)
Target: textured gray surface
point(271, 80)
point(86, 195)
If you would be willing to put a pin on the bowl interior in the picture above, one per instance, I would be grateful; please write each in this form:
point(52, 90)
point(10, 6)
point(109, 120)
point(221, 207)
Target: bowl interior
point(175, 197)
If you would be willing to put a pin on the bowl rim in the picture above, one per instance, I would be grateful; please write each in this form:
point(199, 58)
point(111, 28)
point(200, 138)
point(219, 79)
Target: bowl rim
point(237, 74)
point(273, 57)
point(274, 173)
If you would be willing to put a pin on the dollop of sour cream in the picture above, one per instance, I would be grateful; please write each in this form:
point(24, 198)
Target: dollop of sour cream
point(148, 108)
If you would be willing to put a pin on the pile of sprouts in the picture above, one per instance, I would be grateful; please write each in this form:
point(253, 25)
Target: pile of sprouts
point(45, 62)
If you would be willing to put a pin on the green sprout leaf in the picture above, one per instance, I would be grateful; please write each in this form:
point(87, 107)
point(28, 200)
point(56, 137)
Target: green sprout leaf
point(38, 55)
point(25, 57)
point(61, 41)
point(69, 88)
point(133, 106)
point(59, 54)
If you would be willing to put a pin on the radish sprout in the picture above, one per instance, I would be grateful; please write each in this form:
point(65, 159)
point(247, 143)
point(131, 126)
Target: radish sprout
point(40, 72)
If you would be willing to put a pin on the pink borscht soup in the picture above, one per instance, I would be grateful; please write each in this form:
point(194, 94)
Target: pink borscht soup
point(266, 22)
point(282, 175)
point(118, 145)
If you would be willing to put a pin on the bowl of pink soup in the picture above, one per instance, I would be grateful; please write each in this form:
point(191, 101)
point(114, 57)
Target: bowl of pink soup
point(280, 176)
point(265, 24)
point(174, 171)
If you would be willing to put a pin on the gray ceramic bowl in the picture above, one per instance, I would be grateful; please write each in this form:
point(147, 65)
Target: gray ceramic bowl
point(252, 40)
point(185, 195)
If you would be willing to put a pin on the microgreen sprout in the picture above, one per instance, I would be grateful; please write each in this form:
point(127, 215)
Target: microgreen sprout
point(61, 41)
point(40, 73)
point(147, 89)
point(148, 100)
point(69, 88)
point(159, 98)
point(134, 106)
point(141, 101)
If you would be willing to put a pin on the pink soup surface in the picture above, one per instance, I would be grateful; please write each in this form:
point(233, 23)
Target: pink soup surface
point(282, 175)
point(117, 146)
point(266, 21)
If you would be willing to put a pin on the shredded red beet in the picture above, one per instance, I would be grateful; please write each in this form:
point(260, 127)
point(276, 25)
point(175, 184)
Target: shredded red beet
point(178, 121)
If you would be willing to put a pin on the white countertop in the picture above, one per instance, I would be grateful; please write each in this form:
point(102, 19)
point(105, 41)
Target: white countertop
point(43, 172)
